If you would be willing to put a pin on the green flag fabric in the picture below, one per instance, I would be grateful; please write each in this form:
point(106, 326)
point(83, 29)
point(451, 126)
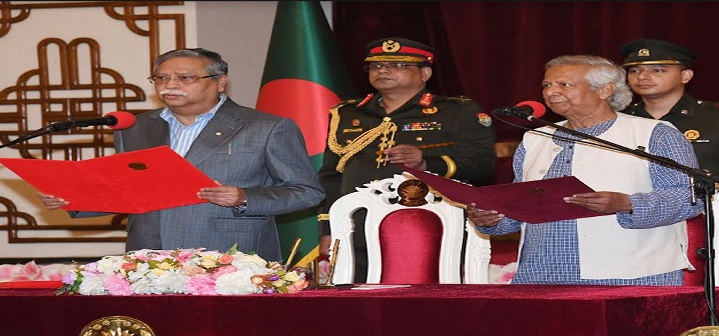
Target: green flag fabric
point(304, 76)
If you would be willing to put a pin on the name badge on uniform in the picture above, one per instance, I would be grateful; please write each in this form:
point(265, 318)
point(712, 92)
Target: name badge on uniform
point(693, 136)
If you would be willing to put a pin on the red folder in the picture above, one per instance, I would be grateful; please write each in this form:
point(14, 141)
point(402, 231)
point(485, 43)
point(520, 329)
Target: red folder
point(30, 284)
point(131, 182)
point(533, 202)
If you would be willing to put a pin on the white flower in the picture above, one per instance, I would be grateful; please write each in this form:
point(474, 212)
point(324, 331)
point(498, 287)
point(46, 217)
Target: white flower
point(237, 283)
point(92, 286)
point(140, 271)
point(242, 258)
point(171, 282)
point(144, 286)
point(292, 276)
point(108, 265)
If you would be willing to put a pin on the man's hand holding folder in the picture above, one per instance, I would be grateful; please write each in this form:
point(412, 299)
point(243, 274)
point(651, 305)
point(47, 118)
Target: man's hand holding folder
point(131, 182)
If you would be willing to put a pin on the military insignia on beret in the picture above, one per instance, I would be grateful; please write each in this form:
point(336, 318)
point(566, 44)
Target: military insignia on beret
point(484, 119)
point(691, 134)
point(644, 52)
point(429, 110)
point(391, 46)
point(355, 122)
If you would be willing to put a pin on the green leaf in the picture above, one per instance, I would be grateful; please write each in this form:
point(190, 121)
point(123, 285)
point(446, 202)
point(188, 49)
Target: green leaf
point(233, 249)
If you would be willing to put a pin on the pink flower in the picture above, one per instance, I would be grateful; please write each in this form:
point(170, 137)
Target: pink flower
point(7, 272)
point(31, 271)
point(506, 277)
point(201, 285)
point(223, 270)
point(297, 286)
point(54, 276)
point(226, 259)
point(54, 271)
point(129, 266)
point(117, 285)
point(69, 278)
point(194, 270)
point(185, 255)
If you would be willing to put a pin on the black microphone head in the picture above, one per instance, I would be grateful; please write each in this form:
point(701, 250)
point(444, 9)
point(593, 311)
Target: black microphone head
point(120, 119)
point(526, 109)
point(536, 109)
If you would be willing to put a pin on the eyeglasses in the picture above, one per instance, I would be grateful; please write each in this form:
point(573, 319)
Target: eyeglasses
point(389, 66)
point(186, 79)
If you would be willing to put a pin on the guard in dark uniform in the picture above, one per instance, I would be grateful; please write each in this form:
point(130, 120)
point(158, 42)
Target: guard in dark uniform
point(657, 72)
point(697, 119)
point(401, 123)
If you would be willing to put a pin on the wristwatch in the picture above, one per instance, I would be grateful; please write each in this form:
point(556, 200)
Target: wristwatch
point(240, 209)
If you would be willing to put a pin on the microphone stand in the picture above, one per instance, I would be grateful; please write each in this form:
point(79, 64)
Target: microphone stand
point(54, 127)
point(702, 184)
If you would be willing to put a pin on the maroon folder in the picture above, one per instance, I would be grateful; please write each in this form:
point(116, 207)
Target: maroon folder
point(533, 202)
point(131, 182)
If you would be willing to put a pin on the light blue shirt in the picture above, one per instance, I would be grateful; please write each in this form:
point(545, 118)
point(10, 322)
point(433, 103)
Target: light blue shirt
point(550, 252)
point(181, 136)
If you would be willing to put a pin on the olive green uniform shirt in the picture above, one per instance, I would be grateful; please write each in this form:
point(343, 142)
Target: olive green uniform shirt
point(698, 120)
point(456, 138)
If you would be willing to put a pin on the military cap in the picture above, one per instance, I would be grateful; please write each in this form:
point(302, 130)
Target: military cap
point(397, 49)
point(651, 51)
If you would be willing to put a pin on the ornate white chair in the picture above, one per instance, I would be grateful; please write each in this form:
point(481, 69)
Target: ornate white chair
point(413, 235)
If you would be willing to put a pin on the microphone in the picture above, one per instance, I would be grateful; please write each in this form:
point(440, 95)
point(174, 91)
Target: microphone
point(115, 120)
point(528, 109)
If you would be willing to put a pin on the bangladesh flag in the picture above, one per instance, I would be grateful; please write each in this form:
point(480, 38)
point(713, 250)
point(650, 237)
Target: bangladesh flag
point(304, 77)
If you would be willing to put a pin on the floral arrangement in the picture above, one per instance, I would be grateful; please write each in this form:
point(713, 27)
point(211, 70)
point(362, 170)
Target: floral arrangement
point(183, 271)
point(31, 271)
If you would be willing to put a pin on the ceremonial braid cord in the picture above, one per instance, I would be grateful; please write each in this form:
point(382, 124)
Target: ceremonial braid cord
point(359, 143)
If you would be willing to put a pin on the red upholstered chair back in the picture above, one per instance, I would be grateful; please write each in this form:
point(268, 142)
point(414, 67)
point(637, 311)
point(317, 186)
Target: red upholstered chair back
point(696, 230)
point(410, 241)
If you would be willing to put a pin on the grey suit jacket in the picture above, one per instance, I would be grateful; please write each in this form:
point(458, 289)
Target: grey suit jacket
point(259, 152)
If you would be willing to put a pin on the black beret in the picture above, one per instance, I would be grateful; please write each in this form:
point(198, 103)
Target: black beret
point(397, 49)
point(651, 51)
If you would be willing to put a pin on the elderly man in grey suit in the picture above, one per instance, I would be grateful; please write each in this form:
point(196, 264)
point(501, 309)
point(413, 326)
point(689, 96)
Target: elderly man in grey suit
point(258, 160)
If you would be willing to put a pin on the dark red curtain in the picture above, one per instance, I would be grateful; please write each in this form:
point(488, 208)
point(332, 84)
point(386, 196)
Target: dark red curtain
point(494, 52)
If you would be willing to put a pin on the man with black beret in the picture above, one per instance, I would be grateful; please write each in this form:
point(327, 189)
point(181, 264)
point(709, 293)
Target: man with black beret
point(401, 123)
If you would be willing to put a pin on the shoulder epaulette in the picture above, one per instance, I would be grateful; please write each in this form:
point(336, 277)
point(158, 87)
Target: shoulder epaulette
point(346, 102)
point(461, 99)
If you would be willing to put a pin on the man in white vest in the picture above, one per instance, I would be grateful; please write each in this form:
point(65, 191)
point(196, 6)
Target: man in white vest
point(641, 239)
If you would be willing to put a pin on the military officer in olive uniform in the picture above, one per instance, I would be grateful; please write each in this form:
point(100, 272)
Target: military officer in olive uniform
point(657, 72)
point(402, 123)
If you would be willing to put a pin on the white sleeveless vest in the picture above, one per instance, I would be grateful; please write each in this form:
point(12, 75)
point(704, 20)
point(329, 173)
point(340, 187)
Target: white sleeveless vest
point(606, 250)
